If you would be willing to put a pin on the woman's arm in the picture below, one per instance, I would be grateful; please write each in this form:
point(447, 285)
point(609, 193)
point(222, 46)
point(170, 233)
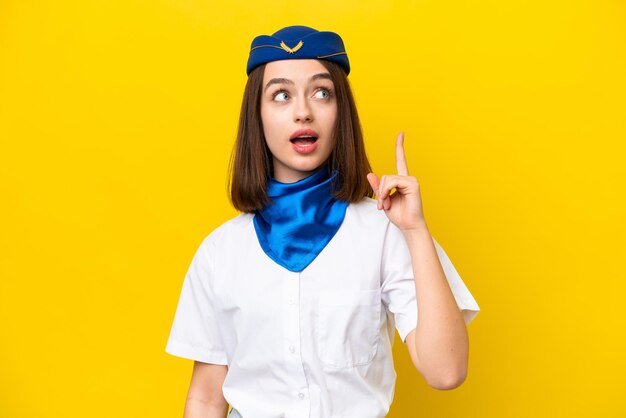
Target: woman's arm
point(205, 398)
point(439, 345)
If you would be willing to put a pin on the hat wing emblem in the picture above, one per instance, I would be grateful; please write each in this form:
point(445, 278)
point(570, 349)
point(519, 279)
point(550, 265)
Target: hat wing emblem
point(284, 46)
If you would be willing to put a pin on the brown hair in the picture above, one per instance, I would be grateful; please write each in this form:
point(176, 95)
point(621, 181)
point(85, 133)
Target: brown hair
point(251, 164)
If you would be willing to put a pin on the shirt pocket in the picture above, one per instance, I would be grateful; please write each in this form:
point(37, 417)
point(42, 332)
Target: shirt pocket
point(348, 326)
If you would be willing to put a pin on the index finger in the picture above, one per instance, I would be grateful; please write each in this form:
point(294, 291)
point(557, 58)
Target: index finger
point(403, 170)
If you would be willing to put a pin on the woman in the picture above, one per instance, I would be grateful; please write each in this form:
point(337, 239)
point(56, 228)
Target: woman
point(289, 309)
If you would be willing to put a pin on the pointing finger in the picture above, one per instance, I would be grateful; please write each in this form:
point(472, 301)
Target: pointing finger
point(403, 169)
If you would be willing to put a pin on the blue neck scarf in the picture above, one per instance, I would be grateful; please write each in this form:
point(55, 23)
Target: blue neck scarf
point(302, 218)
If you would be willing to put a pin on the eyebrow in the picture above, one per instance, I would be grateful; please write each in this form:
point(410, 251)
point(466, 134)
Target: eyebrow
point(319, 76)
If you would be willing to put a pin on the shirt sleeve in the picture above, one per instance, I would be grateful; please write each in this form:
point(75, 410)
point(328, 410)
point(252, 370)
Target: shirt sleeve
point(398, 285)
point(195, 334)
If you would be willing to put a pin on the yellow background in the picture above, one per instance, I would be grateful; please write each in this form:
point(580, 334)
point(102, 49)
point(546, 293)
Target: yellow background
point(116, 123)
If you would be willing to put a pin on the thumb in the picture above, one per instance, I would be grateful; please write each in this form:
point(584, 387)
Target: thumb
point(374, 182)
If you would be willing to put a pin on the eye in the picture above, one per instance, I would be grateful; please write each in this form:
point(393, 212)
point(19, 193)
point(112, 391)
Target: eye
point(280, 96)
point(322, 94)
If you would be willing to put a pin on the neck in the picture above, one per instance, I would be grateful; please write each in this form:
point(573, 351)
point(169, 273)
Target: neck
point(292, 176)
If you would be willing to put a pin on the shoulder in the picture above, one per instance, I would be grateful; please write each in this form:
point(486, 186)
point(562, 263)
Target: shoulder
point(228, 229)
point(366, 211)
point(366, 206)
point(366, 216)
point(364, 222)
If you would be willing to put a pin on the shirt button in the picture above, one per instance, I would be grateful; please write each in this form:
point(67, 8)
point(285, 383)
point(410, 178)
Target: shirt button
point(292, 349)
point(292, 302)
point(301, 395)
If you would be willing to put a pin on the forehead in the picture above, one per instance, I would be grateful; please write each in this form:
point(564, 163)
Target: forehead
point(295, 70)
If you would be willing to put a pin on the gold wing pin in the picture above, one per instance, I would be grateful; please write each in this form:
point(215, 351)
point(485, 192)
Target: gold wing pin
point(284, 46)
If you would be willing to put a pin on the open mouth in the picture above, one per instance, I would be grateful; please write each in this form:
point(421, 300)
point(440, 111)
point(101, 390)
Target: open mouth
point(304, 140)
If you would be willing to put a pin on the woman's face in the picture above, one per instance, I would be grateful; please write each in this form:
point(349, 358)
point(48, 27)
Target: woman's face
point(298, 111)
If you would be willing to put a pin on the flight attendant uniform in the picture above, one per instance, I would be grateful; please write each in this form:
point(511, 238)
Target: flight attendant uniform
point(309, 344)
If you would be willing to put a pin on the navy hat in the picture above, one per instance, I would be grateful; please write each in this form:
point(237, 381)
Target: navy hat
point(298, 42)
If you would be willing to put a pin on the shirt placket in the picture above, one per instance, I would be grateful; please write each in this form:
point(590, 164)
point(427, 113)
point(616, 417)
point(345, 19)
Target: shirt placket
point(299, 390)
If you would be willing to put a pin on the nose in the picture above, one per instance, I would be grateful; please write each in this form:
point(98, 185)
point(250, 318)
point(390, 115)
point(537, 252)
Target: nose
point(302, 110)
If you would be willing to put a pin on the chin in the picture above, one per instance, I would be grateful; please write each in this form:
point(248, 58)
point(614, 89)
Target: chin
point(308, 166)
point(299, 169)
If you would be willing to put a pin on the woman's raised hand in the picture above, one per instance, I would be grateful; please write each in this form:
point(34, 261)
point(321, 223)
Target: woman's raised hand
point(403, 208)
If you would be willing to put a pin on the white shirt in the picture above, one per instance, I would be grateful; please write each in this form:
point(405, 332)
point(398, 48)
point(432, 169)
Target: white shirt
point(314, 344)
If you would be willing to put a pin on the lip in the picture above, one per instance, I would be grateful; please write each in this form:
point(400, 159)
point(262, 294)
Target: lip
point(304, 149)
point(299, 132)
